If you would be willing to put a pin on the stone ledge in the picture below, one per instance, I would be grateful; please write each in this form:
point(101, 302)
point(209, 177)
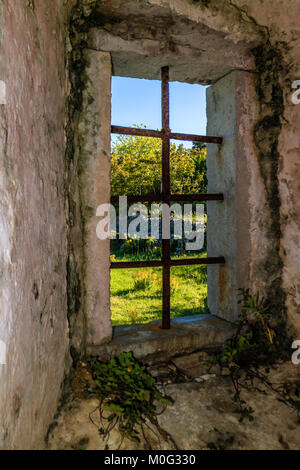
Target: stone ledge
point(150, 343)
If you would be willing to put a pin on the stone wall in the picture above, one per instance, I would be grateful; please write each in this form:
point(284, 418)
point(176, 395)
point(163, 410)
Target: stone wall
point(289, 188)
point(42, 205)
point(95, 128)
point(231, 114)
point(33, 320)
point(263, 40)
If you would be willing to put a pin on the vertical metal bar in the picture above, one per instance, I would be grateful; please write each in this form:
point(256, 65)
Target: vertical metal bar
point(166, 191)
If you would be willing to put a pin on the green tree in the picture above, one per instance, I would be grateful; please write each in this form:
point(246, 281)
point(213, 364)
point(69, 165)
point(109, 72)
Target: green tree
point(136, 167)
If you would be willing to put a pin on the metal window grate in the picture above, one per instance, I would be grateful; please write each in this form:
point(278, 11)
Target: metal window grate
point(166, 197)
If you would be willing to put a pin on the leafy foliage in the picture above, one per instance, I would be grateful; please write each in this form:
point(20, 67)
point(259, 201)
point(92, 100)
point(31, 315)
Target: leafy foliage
point(136, 167)
point(127, 394)
point(254, 346)
point(253, 336)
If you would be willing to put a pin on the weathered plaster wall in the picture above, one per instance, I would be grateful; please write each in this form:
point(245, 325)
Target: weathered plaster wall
point(230, 114)
point(274, 172)
point(261, 38)
point(95, 129)
point(222, 217)
point(33, 320)
point(289, 188)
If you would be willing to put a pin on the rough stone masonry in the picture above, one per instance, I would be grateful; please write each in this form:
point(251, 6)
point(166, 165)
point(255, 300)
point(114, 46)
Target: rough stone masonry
point(46, 210)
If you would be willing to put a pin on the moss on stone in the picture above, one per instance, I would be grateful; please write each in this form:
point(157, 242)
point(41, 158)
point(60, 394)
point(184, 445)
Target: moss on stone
point(270, 66)
point(79, 23)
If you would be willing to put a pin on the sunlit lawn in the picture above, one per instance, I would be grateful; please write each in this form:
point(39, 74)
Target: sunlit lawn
point(130, 305)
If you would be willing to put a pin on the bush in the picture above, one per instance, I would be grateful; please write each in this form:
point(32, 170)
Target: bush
point(127, 394)
point(136, 167)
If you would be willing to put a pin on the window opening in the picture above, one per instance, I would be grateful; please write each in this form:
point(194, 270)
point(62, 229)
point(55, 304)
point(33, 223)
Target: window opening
point(166, 262)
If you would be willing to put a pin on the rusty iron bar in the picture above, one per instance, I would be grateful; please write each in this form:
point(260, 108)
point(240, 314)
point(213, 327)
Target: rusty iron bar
point(166, 192)
point(160, 134)
point(173, 198)
point(196, 197)
point(206, 139)
point(171, 263)
point(136, 132)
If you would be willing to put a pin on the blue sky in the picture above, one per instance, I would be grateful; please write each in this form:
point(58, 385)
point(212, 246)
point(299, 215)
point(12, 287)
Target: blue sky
point(136, 101)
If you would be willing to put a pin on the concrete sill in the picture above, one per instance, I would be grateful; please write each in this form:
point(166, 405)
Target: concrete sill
point(150, 343)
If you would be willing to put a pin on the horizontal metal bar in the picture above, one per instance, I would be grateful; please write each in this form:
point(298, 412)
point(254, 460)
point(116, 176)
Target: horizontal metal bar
point(171, 263)
point(173, 197)
point(136, 132)
point(161, 134)
point(197, 138)
point(197, 261)
point(136, 264)
point(148, 198)
point(196, 197)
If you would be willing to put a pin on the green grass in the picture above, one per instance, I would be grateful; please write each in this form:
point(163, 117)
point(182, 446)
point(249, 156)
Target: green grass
point(130, 305)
